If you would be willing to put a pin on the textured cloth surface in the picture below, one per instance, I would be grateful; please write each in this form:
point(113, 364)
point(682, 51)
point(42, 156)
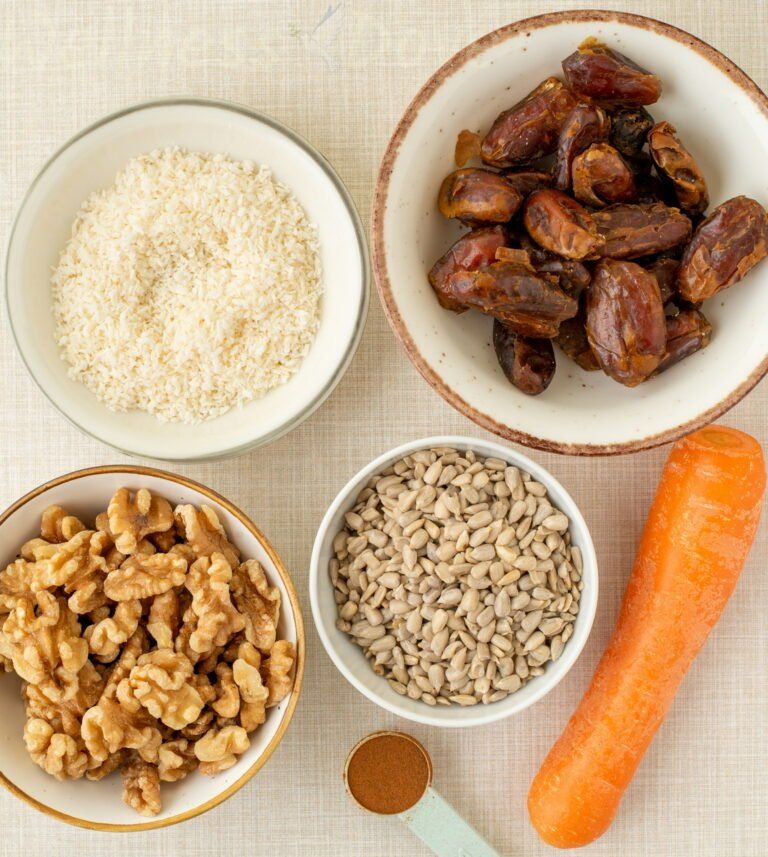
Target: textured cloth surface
point(341, 74)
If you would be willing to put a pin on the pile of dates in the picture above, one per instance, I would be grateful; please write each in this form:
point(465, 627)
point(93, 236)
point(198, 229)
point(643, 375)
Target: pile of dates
point(588, 229)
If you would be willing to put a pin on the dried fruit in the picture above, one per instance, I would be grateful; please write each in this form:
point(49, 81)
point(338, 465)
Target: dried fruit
point(665, 270)
point(676, 163)
point(472, 251)
point(625, 321)
point(478, 196)
point(527, 363)
point(601, 176)
point(559, 224)
point(724, 248)
point(572, 339)
point(687, 332)
point(525, 182)
point(607, 77)
point(532, 304)
point(629, 130)
point(584, 125)
point(630, 231)
point(530, 129)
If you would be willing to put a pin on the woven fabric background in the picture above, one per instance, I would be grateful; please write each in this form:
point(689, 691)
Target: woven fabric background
point(341, 72)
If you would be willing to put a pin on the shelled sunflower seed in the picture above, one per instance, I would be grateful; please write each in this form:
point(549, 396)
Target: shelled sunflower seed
point(456, 576)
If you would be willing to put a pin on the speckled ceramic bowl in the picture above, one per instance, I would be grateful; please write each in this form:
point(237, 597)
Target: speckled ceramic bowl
point(721, 114)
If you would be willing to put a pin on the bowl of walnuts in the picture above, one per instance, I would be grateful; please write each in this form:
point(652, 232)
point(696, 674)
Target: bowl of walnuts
point(154, 645)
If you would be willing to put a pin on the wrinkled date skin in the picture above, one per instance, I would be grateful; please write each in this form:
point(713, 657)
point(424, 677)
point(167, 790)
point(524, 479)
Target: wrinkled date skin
point(473, 250)
point(531, 304)
point(665, 270)
point(675, 162)
point(478, 196)
point(584, 125)
point(630, 231)
point(609, 78)
point(530, 129)
point(687, 333)
point(725, 246)
point(572, 276)
point(525, 182)
point(629, 130)
point(572, 339)
point(528, 363)
point(601, 176)
point(559, 224)
point(626, 327)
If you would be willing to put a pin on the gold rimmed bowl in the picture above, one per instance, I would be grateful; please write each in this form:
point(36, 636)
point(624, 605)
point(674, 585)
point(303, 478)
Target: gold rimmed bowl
point(99, 805)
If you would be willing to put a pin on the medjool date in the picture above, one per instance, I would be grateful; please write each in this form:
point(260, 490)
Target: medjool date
point(629, 130)
point(675, 162)
point(665, 270)
point(607, 77)
point(525, 182)
point(529, 130)
point(532, 304)
point(584, 125)
point(601, 176)
point(687, 332)
point(725, 246)
point(479, 196)
point(558, 223)
point(473, 250)
point(630, 231)
point(573, 277)
point(528, 363)
point(626, 327)
point(572, 339)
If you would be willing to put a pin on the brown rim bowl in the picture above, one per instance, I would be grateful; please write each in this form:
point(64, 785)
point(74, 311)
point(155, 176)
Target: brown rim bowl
point(98, 805)
point(581, 413)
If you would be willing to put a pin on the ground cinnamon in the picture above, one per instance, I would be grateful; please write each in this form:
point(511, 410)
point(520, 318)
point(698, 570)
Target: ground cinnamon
point(388, 772)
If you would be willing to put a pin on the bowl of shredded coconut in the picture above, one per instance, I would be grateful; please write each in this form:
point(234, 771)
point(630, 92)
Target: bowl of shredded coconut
point(187, 279)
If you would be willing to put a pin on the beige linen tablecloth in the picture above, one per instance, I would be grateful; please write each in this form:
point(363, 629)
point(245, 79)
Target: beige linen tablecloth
point(341, 73)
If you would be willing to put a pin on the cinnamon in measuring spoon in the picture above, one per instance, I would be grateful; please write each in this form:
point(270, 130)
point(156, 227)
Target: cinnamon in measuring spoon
point(388, 772)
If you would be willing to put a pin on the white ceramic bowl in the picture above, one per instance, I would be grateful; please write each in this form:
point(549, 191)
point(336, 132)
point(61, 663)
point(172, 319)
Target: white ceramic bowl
point(720, 114)
point(349, 658)
point(90, 161)
point(99, 805)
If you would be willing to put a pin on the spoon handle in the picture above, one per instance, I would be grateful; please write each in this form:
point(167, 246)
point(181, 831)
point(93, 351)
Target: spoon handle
point(440, 827)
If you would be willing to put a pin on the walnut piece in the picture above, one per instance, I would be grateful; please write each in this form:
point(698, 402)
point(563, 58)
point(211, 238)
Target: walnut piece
point(217, 619)
point(276, 671)
point(60, 755)
point(78, 566)
point(205, 533)
point(258, 602)
point(99, 770)
point(227, 702)
point(142, 576)
point(141, 787)
point(176, 759)
point(161, 682)
point(131, 519)
point(56, 525)
point(109, 727)
point(218, 749)
point(42, 639)
point(253, 694)
point(15, 583)
point(106, 637)
point(65, 715)
point(164, 618)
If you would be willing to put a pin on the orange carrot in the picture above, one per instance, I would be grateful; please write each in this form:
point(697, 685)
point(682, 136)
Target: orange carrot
point(697, 536)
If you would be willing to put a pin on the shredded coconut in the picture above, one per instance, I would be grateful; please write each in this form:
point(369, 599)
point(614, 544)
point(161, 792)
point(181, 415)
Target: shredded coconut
point(189, 286)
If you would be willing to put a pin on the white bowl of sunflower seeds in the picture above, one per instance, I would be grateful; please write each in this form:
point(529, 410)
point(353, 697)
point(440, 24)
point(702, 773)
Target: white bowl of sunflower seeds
point(453, 581)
